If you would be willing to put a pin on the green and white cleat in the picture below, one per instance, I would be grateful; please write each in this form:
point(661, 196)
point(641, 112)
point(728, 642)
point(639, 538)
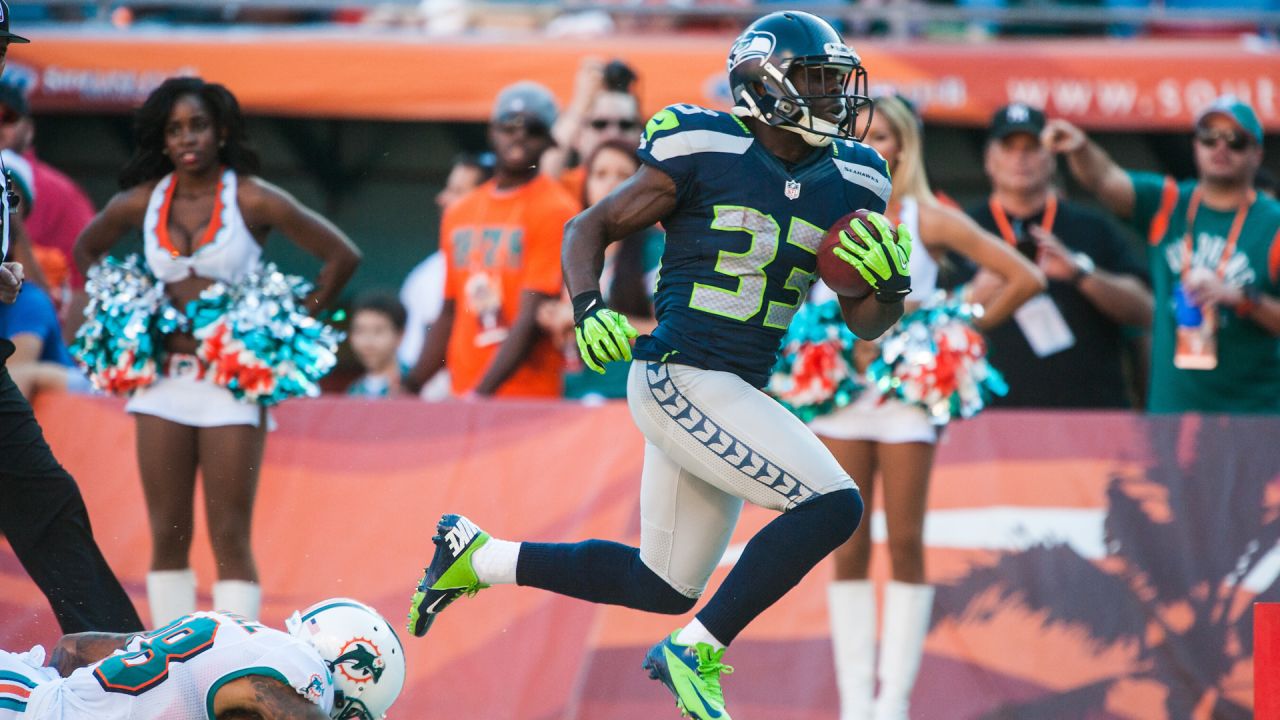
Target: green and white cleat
point(692, 674)
point(450, 574)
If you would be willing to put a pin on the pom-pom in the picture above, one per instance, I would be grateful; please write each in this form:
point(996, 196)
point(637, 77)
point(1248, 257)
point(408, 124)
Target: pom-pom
point(126, 319)
point(258, 342)
point(814, 375)
point(934, 358)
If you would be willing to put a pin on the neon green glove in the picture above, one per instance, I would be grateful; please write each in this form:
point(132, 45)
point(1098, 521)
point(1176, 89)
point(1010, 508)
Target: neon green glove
point(882, 259)
point(604, 336)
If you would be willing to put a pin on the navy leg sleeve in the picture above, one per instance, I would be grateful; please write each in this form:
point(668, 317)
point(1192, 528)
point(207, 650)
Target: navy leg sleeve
point(775, 560)
point(598, 571)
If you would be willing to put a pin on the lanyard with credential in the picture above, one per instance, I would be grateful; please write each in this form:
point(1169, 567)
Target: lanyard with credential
point(1233, 236)
point(1006, 228)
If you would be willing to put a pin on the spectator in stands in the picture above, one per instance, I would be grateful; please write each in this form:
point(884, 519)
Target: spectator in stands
point(63, 211)
point(377, 326)
point(1065, 348)
point(604, 107)
point(423, 289)
point(501, 245)
point(40, 360)
point(627, 281)
point(1214, 258)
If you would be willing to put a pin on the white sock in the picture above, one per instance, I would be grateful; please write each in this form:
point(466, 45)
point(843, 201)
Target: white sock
point(171, 594)
point(694, 632)
point(495, 562)
point(240, 597)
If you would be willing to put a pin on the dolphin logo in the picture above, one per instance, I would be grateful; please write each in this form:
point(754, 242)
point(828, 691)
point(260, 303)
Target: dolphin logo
point(365, 663)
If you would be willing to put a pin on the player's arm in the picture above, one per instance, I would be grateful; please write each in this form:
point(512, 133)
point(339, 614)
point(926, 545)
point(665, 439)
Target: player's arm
point(883, 259)
point(1092, 167)
point(124, 212)
point(640, 202)
point(867, 317)
point(81, 649)
point(256, 697)
point(646, 198)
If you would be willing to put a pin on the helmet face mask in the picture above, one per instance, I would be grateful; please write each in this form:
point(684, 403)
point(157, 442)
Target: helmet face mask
point(792, 70)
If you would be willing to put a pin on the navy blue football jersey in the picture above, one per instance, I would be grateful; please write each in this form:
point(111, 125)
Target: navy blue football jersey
point(742, 241)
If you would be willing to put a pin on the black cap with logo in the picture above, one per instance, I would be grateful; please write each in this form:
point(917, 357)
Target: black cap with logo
point(4, 26)
point(1016, 118)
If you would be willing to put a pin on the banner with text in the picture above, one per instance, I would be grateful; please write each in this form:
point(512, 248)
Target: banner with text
point(1100, 84)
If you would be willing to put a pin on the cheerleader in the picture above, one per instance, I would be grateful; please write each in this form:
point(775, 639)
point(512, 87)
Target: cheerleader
point(191, 187)
point(887, 442)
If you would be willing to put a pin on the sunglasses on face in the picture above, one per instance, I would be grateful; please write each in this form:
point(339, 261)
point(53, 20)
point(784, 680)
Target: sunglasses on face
point(1236, 141)
point(9, 117)
point(622, 124)
point(530, 127)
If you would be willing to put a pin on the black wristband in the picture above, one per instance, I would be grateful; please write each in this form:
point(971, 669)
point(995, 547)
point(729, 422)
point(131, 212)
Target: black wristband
point(584, 303)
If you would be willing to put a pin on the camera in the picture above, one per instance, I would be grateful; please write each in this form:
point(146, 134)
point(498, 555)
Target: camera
point(618, 76)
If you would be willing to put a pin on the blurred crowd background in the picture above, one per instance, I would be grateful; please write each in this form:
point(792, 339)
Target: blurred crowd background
point(385, 182)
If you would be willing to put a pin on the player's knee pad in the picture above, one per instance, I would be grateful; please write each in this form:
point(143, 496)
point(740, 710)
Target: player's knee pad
point(838, 513)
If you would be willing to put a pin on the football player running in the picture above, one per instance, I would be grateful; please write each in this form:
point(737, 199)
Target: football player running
point(745, 198)
point(339, 660)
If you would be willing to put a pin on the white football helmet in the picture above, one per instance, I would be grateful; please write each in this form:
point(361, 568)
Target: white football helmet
point(362, 651)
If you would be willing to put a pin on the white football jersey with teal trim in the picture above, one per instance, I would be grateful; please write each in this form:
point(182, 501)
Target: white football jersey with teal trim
point(174, 673)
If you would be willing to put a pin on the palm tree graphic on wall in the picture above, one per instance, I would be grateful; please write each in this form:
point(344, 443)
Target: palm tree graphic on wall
point(1189, 548)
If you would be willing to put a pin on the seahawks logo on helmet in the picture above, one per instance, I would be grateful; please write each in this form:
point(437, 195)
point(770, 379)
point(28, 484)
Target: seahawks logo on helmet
point(365, 661)
point(752, 46)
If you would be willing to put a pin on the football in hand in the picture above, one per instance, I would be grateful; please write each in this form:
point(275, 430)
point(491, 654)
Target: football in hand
point(839, 275)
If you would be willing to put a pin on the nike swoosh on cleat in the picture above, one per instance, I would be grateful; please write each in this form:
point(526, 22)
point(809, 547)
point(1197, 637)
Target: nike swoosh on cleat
point(432, 607)
point(702, 700)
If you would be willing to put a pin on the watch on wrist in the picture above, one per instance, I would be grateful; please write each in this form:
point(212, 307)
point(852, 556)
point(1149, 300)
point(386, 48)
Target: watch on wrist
point(1084, 266)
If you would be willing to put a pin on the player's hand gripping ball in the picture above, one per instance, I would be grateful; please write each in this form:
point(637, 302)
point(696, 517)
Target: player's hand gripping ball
point(862, 254)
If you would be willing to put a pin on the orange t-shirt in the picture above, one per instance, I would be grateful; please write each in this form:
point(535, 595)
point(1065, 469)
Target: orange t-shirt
point(498, 244)
point(574, 180)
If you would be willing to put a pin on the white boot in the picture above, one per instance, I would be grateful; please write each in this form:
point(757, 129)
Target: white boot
point(171, 594)
point(240, 597)
point(907, 610)
point(852, 604)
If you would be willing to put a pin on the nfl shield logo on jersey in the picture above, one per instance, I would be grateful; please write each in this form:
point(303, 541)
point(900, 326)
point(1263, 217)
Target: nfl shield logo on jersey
point(792, 190)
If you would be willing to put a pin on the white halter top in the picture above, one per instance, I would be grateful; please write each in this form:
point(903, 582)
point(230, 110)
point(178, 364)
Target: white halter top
point(924, 269)
point(226, 252)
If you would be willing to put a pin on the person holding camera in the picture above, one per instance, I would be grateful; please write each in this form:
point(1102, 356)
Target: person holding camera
point(604, 107)
point(1065, 347)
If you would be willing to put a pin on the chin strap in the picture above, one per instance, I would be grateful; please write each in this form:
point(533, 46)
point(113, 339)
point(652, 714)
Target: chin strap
point(749, 108)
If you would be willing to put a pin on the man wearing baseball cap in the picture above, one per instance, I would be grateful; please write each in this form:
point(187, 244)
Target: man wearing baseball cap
point(1214, 260)
point(1064, 348)
point(501, 244)
point(41, 511)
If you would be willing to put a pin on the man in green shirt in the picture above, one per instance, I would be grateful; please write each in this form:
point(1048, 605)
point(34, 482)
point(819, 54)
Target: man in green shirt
point(1214, 256)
